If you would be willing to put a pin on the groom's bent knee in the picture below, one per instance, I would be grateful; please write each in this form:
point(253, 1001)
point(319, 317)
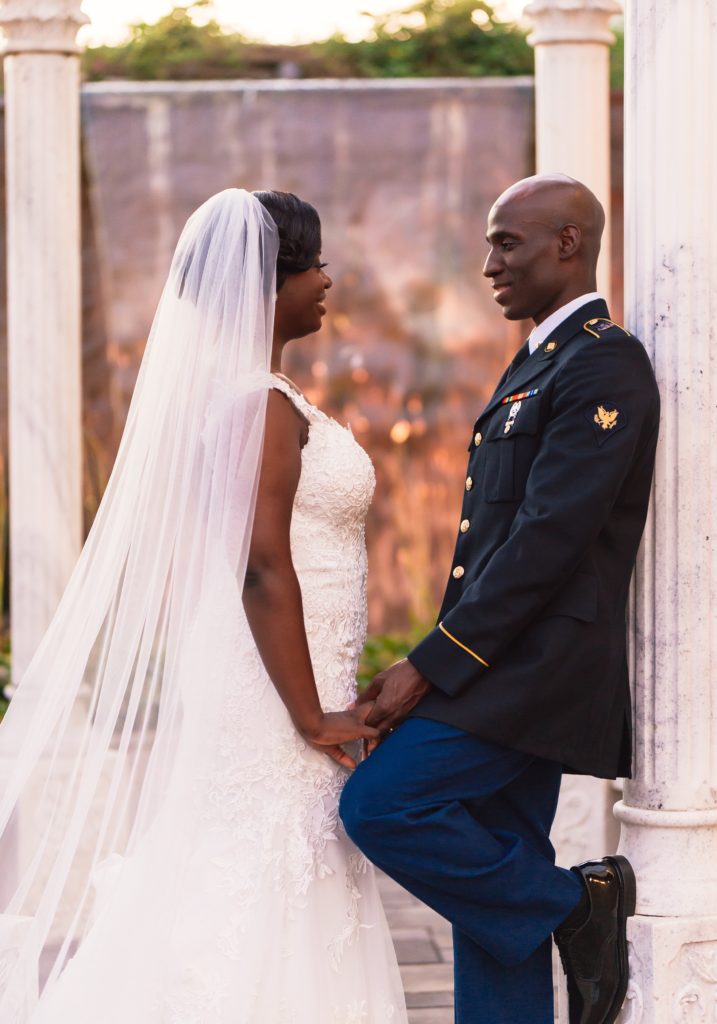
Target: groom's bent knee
point(362, 807)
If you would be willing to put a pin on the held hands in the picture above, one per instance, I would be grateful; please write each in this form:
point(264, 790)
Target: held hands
point(337, 727)
point(391, 696)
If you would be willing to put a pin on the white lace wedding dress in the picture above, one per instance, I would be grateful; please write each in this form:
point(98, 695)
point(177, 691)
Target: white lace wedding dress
point(281, 922)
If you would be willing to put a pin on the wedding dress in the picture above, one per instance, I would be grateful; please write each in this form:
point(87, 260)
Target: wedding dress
point(282, 922)
point(171, 849)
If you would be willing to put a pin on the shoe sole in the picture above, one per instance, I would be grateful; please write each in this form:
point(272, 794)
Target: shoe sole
point(627, 902)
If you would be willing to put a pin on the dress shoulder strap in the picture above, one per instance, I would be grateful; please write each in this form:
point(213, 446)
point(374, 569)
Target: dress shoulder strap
point(300, 401)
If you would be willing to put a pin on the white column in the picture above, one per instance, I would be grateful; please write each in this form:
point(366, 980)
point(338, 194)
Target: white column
point(43, 257)
point(572, 41)
point(669, 812)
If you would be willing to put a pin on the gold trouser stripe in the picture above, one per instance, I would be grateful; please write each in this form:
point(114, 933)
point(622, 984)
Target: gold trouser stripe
point(462, 646)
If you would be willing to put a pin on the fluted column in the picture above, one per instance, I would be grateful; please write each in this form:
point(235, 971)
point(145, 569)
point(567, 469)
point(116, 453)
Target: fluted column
point(43, 257)
point(669, 812)
point(572, 40)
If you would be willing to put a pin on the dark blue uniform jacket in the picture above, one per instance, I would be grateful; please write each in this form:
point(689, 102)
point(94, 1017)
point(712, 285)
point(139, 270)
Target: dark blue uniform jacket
point(530, 646)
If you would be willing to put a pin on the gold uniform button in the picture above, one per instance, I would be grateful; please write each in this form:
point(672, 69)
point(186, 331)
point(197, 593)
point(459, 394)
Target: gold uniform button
point(465, 526)
point(469, 482)
point(458, 572)
point(478, 438)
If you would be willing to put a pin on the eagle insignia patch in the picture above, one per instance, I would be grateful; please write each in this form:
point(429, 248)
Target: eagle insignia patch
point(606, 420)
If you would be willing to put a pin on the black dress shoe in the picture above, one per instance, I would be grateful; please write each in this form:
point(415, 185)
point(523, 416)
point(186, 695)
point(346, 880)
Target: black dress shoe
point(593, 944)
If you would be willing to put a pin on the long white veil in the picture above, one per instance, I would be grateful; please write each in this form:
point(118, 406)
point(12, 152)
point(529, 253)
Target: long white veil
point(103, 747)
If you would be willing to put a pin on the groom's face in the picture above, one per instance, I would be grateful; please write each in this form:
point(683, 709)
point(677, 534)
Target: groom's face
point(524, 263)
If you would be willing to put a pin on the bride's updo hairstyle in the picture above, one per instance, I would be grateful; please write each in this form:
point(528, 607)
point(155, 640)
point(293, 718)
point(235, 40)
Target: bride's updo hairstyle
point(299, 232)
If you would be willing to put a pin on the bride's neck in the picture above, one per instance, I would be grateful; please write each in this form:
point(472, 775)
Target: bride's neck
point(277, 351)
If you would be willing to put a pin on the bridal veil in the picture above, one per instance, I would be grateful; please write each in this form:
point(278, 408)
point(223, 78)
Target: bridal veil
point(102, 748)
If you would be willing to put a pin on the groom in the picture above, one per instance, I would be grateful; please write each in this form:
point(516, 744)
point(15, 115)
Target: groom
point(525, 674)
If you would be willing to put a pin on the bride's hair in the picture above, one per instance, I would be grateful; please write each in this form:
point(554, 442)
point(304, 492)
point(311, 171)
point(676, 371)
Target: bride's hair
point(299, 232)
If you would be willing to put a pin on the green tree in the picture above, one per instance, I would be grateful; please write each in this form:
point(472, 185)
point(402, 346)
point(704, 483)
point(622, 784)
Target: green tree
point(426, 39)
point(435, 38)
point(175, 47)
point(617, 58)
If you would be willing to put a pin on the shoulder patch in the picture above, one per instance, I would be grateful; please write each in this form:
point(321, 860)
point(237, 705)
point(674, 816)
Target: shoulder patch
point(599, 325)
point(606, 420)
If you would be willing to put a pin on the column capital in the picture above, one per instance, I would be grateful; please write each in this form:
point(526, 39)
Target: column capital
point(571, 21)
point(41, 26)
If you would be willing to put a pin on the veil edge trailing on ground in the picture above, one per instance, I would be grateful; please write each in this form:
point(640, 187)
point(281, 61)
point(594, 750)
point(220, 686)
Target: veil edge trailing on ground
point(102, 748)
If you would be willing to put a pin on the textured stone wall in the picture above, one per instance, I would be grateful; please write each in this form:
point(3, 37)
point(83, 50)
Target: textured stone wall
point(403, 174)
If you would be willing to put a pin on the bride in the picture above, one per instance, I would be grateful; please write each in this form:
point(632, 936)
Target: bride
point(173, 758)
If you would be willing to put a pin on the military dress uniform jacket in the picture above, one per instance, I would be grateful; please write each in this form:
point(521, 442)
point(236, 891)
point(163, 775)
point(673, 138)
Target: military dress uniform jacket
point(530, 647)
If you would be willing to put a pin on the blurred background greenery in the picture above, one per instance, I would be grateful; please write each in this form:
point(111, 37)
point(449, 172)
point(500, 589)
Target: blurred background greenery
point(431, 38)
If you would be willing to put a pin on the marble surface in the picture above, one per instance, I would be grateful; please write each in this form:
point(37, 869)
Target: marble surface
point(669, 813)
point(43, 281)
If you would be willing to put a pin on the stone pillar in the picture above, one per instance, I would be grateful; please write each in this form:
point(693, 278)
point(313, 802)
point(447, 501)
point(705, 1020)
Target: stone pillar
point(572, 123)
point(43, 257)
point(572, 40)
point(669, 812)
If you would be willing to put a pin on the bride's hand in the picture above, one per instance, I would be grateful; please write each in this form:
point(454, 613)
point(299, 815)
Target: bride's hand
point(337, 727)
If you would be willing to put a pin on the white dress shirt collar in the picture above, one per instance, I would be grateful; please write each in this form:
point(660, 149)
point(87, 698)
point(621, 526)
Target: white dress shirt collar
point(540, 332)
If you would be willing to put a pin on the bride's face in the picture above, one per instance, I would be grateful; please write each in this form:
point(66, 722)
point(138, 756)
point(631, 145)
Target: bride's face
point(300, 302)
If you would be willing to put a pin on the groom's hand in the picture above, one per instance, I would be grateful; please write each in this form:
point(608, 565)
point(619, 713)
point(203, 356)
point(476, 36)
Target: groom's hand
point(396, 691)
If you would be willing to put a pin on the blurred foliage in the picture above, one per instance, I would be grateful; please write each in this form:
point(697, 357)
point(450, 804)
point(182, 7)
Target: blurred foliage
point(617, 58)
point(382, 650)
point(175, 47)
point(434, 38)
point(426, 39)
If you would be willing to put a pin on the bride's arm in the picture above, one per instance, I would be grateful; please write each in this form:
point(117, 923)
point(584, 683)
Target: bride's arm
point(272, 595)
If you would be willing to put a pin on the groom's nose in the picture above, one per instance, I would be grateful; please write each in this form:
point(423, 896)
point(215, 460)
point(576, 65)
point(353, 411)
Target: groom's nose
point(492, 264)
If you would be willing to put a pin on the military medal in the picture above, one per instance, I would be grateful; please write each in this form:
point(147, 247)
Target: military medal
point(512, 416)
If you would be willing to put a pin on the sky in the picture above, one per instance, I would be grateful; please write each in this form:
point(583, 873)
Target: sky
point(275, 21)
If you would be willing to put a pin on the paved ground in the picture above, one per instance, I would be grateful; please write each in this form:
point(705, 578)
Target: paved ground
point(425, 953)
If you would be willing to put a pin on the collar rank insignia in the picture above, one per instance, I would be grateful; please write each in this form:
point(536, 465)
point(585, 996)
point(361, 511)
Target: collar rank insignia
point(606, 420)
point(600, 324)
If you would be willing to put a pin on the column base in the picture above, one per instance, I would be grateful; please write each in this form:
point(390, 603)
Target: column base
point(674, 856)
point(673, 970)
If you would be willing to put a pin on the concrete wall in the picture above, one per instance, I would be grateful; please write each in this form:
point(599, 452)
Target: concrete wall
point(403, 174)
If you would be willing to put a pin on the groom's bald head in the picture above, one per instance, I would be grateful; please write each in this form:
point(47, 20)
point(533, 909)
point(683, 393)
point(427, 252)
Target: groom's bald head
point(545, 233)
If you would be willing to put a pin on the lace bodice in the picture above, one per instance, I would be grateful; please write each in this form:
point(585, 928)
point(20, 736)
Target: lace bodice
point(328, 548)
point(335, 490)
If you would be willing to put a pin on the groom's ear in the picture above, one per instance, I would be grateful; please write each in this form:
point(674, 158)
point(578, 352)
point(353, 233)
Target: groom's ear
point(570, 239)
